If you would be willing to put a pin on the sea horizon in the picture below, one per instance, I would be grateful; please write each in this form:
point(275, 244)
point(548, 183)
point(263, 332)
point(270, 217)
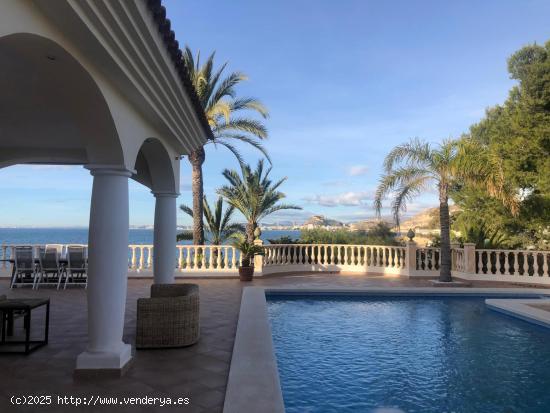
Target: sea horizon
point(79, 235)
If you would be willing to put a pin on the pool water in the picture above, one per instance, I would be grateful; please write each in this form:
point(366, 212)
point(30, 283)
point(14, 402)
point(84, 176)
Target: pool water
point(414, 354)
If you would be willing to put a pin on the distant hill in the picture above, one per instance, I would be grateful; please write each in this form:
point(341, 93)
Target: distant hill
point(426, 219)
point(368, 224)
point(321, 221)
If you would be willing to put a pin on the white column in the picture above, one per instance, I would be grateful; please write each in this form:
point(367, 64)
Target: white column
point(107, 271)
point(164, 237)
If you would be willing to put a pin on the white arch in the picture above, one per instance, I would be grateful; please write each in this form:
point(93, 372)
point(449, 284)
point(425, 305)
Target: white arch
point(52, 110)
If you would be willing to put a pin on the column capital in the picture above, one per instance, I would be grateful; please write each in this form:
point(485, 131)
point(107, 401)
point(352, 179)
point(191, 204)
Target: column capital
point(165, 194)
point(101, 169)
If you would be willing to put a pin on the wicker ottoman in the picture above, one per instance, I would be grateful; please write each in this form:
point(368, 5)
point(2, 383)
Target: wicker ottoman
point(170, 318)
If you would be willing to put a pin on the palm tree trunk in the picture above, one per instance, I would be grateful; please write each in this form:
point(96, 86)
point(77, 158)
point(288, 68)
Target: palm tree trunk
point(250, 227)
point(445, 249)
point(196, 158)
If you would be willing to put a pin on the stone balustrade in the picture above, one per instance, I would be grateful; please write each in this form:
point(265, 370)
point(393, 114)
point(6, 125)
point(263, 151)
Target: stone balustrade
point(520, 266)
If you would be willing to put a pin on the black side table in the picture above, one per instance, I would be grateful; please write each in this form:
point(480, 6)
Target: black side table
point(23, 306)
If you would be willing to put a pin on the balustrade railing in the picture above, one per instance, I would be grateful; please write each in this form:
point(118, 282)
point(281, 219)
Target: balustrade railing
point(333, 257)
point(519, 263)
point(522, 266)
point(428, 259)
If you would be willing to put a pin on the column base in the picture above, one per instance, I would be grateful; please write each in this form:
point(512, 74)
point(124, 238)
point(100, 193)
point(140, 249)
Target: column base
point(108, 361)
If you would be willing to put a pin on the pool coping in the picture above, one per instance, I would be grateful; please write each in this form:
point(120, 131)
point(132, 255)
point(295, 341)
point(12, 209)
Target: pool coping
point(520, 308)
point(253, 383)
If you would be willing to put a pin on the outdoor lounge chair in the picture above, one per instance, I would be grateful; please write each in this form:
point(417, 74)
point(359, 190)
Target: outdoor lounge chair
point(76, 270)
point(24, 270)
point(170, 318)
point(49, 269)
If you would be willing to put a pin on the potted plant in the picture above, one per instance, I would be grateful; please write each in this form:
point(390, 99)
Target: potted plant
point(248, 252)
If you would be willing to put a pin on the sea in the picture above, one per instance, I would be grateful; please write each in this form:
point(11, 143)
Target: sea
point(80, 236)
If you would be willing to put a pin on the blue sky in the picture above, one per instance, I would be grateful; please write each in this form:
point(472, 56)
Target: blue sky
point(344, 81)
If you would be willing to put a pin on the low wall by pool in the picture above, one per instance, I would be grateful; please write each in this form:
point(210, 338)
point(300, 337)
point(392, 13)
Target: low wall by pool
point(254, 383)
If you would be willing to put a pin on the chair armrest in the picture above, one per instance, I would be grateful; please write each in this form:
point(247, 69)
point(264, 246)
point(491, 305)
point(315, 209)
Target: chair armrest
point(173, 290)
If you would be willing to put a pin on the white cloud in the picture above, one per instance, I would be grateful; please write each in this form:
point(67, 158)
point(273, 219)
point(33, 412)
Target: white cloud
point(357, 170)
point(343, 199)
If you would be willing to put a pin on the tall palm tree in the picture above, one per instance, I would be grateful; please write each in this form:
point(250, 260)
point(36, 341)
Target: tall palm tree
point(413, 167)
point(254, 194)
point(218, 222)
point(219, 100)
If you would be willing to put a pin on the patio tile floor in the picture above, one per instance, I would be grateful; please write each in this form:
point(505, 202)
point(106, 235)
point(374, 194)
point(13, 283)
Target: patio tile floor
point(198, 372)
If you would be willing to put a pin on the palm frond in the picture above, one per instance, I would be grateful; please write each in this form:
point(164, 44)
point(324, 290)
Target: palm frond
point(414, 152)
point(251, 126)
point(187, 210)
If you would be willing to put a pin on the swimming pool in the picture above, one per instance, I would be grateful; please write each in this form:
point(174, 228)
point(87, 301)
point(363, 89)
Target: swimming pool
point(417, 354)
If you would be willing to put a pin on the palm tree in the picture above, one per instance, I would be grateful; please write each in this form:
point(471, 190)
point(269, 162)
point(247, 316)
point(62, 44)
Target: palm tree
point(413, 167)
point(220, 103)
point(218, 222)
point(254, 194)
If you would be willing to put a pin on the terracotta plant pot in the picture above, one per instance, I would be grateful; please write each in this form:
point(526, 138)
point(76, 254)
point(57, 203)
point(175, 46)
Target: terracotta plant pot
point(246, 273)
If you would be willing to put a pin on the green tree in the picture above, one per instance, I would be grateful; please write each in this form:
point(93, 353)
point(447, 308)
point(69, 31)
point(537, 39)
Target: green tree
point(416, 166)
point(218, 223)
point(518, 133)
point(254, 194)
point(380, 234)
point(222, 107)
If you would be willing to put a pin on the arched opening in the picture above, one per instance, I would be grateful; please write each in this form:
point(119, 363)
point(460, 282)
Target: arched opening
point(154, 167)
point(51, 109)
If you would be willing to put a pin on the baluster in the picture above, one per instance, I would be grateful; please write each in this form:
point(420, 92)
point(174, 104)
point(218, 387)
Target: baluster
point(288, 256)
point(4, 258)
point(187, 257)
point(545, 264)
point(150, 252)
point(233, 258)
point(195, 253)
point(506, 264)
point(210, 256)
point(267, 257)
point(535, 264)
point(180, 258)
point(298, 254)
point(141, 258)
point(515, 265)
point(346, 255)
point(202, 249)
point(133, 259)
point(219, 258)
point(479, 269)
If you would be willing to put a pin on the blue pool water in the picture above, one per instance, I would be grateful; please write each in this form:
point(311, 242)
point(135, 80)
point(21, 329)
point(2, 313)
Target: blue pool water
point(422, 355)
